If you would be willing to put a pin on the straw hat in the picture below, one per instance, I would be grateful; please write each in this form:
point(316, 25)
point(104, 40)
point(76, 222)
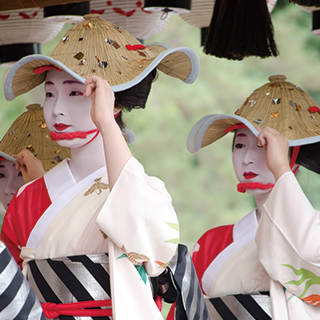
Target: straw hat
point(278, 104)
point(30, 131)
point(99, 47)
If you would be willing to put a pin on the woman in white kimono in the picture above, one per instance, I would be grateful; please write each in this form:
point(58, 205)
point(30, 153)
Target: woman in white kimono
point(291, 226)
point(102, 224)
point(227, 260)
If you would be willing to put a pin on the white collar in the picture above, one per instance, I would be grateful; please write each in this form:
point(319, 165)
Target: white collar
point(60, 179)
point(248, 223)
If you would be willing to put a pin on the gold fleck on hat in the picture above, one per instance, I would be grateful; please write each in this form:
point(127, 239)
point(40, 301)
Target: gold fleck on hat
point(99, 47)
point(278, 104)
point(29, 131)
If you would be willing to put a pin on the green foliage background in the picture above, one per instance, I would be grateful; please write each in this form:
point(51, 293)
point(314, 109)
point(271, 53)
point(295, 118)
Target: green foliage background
point(203, 185)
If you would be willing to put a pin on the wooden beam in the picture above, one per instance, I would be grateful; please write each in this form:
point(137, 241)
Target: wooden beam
point(23, 4)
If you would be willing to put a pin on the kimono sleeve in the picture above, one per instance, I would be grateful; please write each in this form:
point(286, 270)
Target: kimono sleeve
point(209, 246)
point(288, 240)
point(25, 209)
point(10, 238)
point(139, 218)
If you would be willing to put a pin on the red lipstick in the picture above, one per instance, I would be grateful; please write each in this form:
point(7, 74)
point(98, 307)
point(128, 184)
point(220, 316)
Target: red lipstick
point(249, 175)
point(61, 126)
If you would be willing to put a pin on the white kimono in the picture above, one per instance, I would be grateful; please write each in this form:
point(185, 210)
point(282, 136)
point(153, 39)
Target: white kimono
point(289, 249)
point(137, 217)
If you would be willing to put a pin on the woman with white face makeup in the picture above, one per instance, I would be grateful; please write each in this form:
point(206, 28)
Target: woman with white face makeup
point(102, 224)
point(249, 163)
point(27, 133)
point(11, 180)
point(227, 259)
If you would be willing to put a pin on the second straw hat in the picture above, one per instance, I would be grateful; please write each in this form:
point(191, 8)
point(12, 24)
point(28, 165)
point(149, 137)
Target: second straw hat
point(30, 131)
point(99, 47)
point(278, 104)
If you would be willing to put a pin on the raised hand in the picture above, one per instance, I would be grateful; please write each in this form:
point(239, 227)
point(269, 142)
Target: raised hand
point(116, 150)
point(30, 167)
point(102, 98)
point(277, 149)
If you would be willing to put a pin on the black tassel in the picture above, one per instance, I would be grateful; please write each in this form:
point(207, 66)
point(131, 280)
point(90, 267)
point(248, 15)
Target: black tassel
point(240, 28)
point(307, 3)
point(221, 26)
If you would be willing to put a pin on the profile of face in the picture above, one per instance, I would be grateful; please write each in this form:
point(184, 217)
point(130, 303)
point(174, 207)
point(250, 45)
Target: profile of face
point(249, 161)
point(65, 108)
point(11, 180)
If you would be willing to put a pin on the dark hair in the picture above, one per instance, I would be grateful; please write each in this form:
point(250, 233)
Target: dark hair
point(309, 157)
point(134, 97)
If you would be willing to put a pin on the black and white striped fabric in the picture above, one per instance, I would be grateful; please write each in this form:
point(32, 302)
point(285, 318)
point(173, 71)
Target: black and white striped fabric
point(71, 279)
point(17, 299)
point(190, 303)
point(254, 306)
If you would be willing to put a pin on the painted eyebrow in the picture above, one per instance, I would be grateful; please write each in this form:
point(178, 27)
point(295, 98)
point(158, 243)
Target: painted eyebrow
point(71, 82)
point(241, 135)
point(64, 82)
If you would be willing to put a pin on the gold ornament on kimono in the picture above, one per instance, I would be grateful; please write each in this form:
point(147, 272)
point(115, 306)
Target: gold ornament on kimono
point(135, 258)
point(97, 187)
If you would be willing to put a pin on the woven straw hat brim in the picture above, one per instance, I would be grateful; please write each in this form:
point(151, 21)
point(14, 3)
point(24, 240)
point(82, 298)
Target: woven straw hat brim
point(29, 131)
point(212, 127)
point(179, 62)
point(21, 78)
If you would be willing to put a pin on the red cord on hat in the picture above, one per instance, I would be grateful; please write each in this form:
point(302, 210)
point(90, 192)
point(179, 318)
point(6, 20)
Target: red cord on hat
point(42, 69)
point(235, 127)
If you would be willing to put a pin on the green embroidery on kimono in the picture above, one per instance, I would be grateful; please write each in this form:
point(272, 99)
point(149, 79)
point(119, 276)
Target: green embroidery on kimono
point(174, 226)
point(122, 256)
point(164, 265)
point(305, 274)
point(141, 270)
point(290, 297)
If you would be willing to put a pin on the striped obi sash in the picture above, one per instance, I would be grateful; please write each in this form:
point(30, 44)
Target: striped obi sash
point(17, 299)
point(240, 307)
point(73, 287)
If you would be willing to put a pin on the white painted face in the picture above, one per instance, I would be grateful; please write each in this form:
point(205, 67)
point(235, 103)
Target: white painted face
point(10, 181)
point(249, 161)
point(65, 108)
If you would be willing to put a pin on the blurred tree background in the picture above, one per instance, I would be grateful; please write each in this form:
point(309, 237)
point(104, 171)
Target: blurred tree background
point(203, 185)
